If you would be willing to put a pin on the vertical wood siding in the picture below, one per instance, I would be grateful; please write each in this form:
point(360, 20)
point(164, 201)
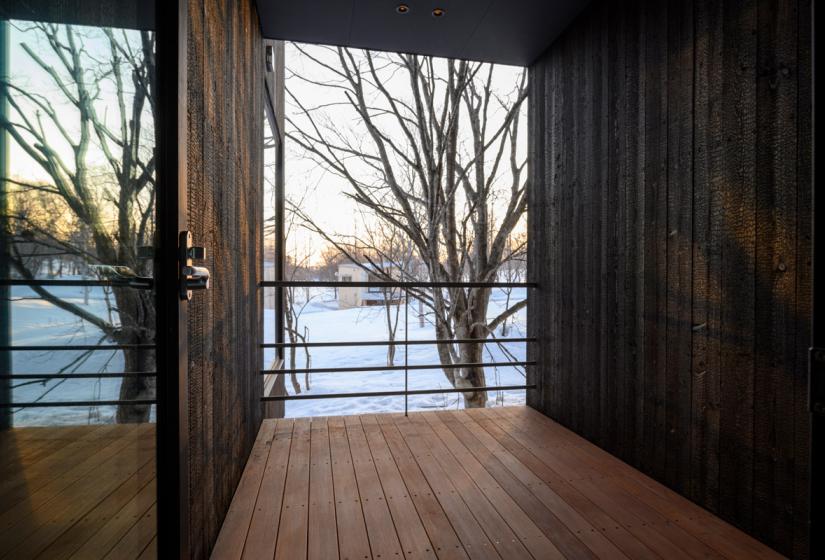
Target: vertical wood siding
point(225, 73)
point(670, 235)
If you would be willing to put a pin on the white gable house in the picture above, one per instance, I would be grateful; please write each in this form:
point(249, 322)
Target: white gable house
point(349, 296)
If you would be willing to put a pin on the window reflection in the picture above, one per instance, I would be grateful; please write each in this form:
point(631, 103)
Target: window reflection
point(77, 310)
point(80, 199)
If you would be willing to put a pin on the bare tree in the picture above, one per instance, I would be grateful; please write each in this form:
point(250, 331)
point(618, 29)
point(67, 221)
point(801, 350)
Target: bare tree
point(101, 169)
point(330, 258)
point(294, 306)
point(513, 270)
point(386, 253)
point(295, 301)
point(434, 149)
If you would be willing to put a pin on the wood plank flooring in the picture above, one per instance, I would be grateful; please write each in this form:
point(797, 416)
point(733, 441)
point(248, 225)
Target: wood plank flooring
point(80, 492)
point(502, 483)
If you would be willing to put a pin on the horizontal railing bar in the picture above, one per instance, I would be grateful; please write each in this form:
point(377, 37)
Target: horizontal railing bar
point(61, 347)
point(382, 284)
point(396, 393)
point(40, 282)
point(106, 375)
point(398, 368)
point(393, 342)
point(56, 404)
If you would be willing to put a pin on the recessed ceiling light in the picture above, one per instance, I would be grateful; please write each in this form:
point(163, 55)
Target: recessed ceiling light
point(438, 12)
point(402, 9)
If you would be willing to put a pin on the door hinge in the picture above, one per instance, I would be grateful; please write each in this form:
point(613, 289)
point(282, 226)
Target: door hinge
point(190, 277)
point(816, 379)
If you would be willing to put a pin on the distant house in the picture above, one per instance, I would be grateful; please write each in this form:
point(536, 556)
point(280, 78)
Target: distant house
point(350, 296)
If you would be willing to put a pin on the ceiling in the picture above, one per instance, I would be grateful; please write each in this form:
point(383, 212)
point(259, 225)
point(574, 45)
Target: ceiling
point(501, 31)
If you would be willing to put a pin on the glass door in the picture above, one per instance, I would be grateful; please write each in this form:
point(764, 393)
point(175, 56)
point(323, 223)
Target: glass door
point(79, 190)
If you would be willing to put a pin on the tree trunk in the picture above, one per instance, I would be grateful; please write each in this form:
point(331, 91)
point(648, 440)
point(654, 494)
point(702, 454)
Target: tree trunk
point(136, 388)
point(390, 355)
point(390, 328)
point(509, 292)
point(471, 323)
point(137, 320)
point(472, 376)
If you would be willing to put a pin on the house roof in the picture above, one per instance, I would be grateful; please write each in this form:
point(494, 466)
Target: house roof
point(367, 264)
point(501, 31)
point(379, 266)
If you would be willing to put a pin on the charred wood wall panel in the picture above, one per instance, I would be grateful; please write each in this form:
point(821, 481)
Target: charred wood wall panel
point(225, 104)
point(126, 14)
point(670, 235)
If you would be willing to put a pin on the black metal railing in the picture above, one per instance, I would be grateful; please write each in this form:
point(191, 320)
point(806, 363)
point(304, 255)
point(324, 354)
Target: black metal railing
point(90, 375)
point(390, 284)
point(76, 375)
point(86, 347)
point(62, 404)
point(114, 280)
point(407, 367)
point(344, 343)
point(139, 282)
point(406, 392)
point(407, 288)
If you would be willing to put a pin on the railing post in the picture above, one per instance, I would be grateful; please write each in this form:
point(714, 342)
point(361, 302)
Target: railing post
point(406, 351)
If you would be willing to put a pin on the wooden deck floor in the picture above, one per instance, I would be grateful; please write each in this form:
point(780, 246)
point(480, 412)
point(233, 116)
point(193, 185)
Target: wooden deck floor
point(497, 483)
point(78, 492)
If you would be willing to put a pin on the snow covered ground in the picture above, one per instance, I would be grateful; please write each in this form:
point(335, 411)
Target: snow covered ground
point(325, 322)
point(36, 322)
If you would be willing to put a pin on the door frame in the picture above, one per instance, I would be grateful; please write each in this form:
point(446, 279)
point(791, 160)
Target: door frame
point(172, 312)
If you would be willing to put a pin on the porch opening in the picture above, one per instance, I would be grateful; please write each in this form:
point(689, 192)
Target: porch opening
point(401, 186)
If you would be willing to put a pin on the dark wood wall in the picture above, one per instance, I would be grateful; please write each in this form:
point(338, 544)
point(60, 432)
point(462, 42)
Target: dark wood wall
point(126, 14)
point(670, 235)
point(225, 104)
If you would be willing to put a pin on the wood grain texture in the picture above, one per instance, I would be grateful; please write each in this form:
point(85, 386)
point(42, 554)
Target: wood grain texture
point(484, 483)
point(225, 130)
point(263, 529)
point(93, 496)
point(804, 283)
point(353, 542)
point(381, 529)
point(240, 514)
point(294, 525)
point(670, 213)
point(322, 536)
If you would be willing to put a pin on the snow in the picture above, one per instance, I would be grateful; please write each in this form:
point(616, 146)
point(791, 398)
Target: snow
point(324, 322)
point(36, 322)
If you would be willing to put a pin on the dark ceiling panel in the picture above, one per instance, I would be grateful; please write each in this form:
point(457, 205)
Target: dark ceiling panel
point(376, 24)
point(310, 21)
point(501, 31)
point(518, 32)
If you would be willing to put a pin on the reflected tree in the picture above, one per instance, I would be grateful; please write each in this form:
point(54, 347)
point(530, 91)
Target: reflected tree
point(83, 115)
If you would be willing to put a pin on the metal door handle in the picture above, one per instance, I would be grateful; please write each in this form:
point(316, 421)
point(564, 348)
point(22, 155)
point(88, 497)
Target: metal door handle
point(197, 277)
point(191, 277)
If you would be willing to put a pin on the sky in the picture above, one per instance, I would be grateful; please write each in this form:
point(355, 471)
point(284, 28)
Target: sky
point(26, 74)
